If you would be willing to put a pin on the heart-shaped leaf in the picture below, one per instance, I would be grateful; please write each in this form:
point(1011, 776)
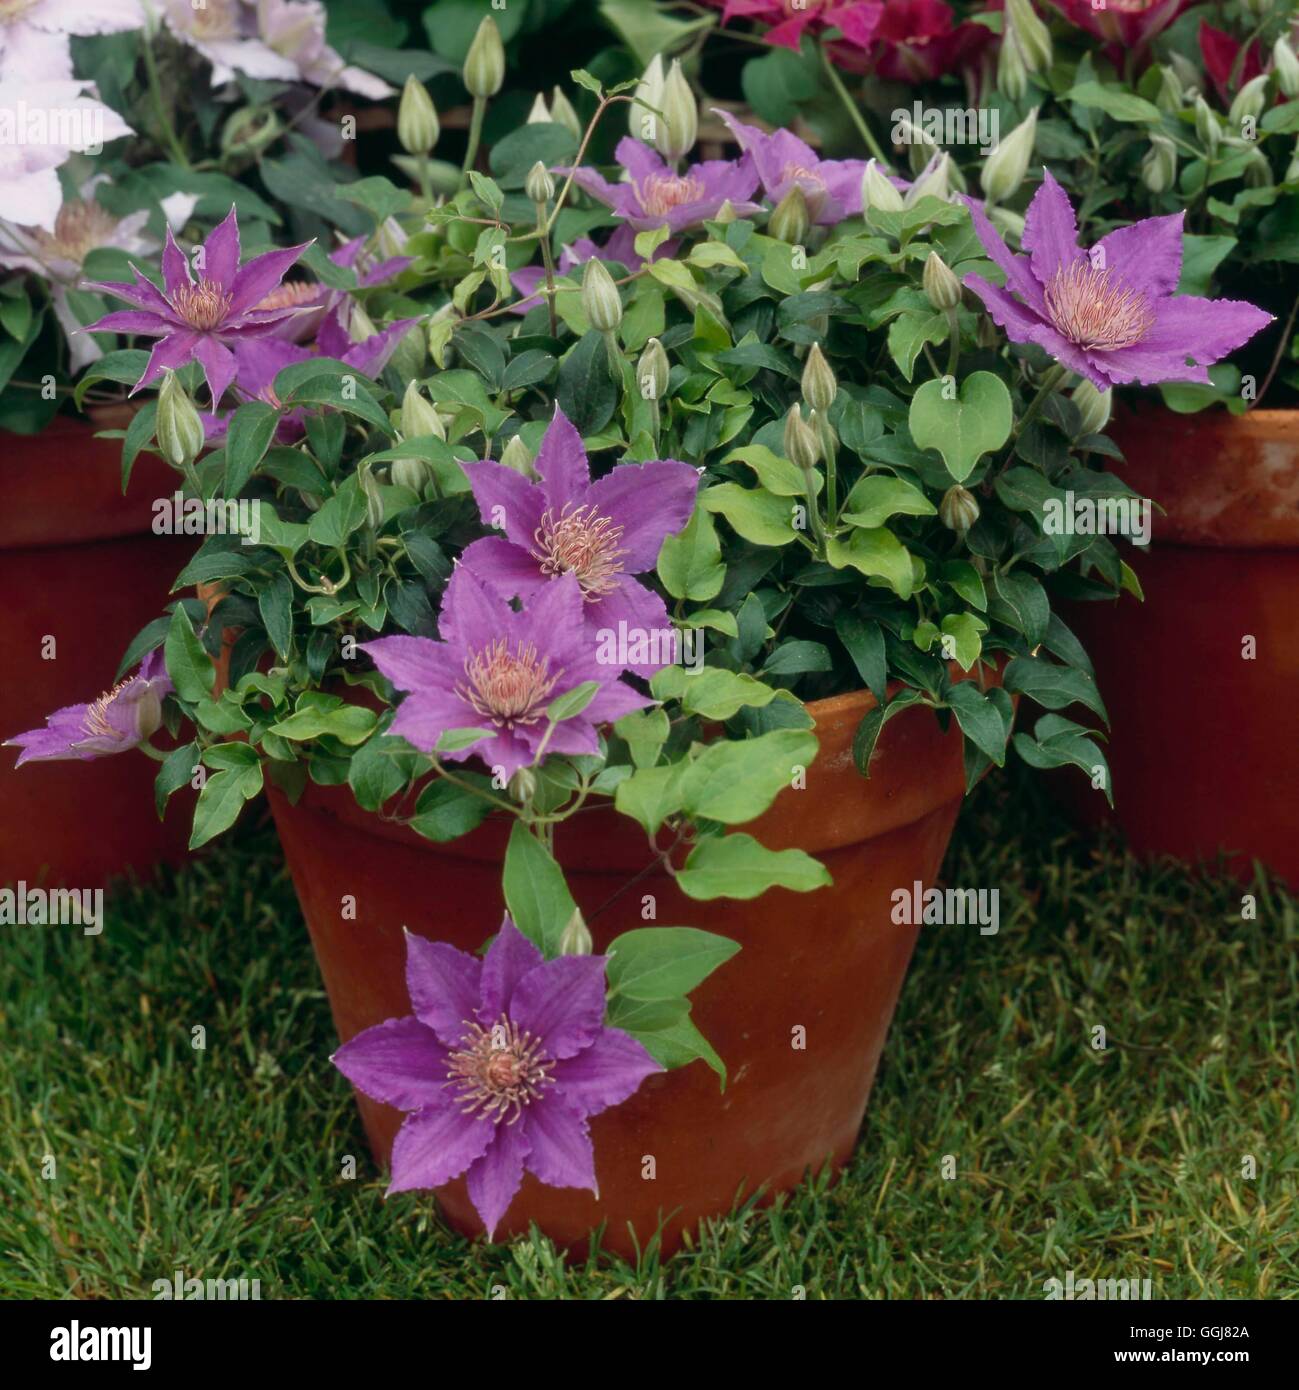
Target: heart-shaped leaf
point(964, 426)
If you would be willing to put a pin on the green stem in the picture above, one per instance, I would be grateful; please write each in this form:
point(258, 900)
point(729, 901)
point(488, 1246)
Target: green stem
point(548, 264)
point(954, 335)
point(850, 106)
point(475, 136)
point(167, 129)
point(1049, 382)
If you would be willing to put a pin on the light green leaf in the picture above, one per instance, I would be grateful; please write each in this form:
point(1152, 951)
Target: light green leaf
point(977, 419)
point(737, 866)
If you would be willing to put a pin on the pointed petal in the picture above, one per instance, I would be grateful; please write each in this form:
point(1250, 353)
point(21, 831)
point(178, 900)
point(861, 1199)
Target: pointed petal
point(498, 1175)
point(649, 501)
point(562, 1003)
point(221, 252)
point(175, 268)
point(411, 663)
point(425, 715)
point(1202, 331)
point(1017, 269)
point(638, 617)
point(1022, 325)
point(168, 353)
point(1050, 230)
point(562, 464)
point(443, 984)
point(1147, 256)
point(260, 276)
point(436, 1145)
point(560, 1141)
point(509, 959)
point(472, 615)
point(139, 321)
point(507, 568)
point(507, 501)
point(399, 1062)
point(218, 364)
point(604, 1074)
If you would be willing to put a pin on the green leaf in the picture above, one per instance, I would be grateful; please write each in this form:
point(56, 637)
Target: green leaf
point(980, 720)
point(644, 731)
point(1059, 742)
point(350, 724)
point(963, 429)
point(714, 692)
point(1019, 601)
point(754, 514)
point(379, 770)
point(1051, 685)
point(965, 631)
point(175, 772)
point(675, 1043)
point(252, 428)
point(1114, 101)
point(664, 962)
point(189, 666)
point(737, 866)
point(572, 702)
point(734, 782)
point(864, 641)
point(586, 391)
point(650, 795)
point(908, 334)
point(689, 564)
point(222, 798)
point(339, 515)
point(535, 892)
point(875, 551)
point(879, 496)
point(445, 811)
point(776, 474)
point(275, 604)
point(347, 392)
point(872, 725)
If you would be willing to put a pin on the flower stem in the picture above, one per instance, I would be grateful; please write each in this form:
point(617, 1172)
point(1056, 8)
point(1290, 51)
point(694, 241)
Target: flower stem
point(166, 128)
point(1049, 382)
point(475, 135)
point(850, 106)
point(548, 266)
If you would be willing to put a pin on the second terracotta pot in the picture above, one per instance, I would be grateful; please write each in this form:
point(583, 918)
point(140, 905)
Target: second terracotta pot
point(1200, 680)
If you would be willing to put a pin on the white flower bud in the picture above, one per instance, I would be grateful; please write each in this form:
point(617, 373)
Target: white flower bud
point(1012, 71)
point(417, 118)
point(679, 127)
point(418, 417)
point(178, 429)
point(540, 112)
point(373, 498)
point(1170, 96)
point(648, 94)
point(1249, 102)
point(360, 327)
point(1033, 35)
point(652, 370)
point(414, 474)
point(484, 69)
point(515, 455)
point(1208, 126)
point(789, 219)
point(934, 181)
point(1159, 167)
point(1285, 64)
point(801, 447)
point(1093, 407)
point(878, 190)
point(562, 113)
point(601, 302)
point(941, 286)
point(958, 510)
point(820, 385)
point(575, 939)
point(540, 187)
point(1004, 169)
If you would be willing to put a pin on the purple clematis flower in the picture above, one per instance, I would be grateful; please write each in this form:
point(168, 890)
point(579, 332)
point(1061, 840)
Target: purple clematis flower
point(602, 533)
point(832, 187)
point(314, 300)
point(497, 669)
point(1109, 314)
point(621, 247)
point(121, 719)
point(500, 1067)
point(202, 318)
point(655, 194)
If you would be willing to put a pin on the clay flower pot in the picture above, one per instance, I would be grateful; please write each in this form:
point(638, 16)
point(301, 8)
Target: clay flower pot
point(79, 563)
point(799, 1015)
point(1202, 752)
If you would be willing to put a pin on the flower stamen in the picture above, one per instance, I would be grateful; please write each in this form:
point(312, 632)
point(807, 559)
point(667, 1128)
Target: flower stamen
point(95, 721)
point(1094, 311)
point(660, 193)
point(202, 306)
point(507, 687)
point(497, 1071)
point(582, 543)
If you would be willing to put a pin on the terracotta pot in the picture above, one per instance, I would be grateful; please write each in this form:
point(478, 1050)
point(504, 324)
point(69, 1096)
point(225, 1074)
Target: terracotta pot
point(79, 563)
point(829, 962)
point(1201, 747)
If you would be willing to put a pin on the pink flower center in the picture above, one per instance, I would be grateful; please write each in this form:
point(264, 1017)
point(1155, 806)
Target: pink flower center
point(497, 1071)
point(508, 687)
point(95, 720)
point(1095, 312)
point(78, 228)
point(660, 193)
point(582, 543)
point(12, 9)
point(202, 306)
point(290, 294)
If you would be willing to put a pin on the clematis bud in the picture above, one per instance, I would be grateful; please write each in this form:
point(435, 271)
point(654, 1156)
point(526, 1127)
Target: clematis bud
point(789, 219)
point(1188, 74)
point(360, 326)
point(484, 69)
point(414, 474)
point(1249, 102)
point(418, 417)
point(1012, 71)
point(540, 187)
point(652, 371)
point(1159, 167)
point(601, 302)
point(934, 181)
point(515, 455)
point(575, 939)
point(540, 113)
point(1008, 223)
point(1005, 167)
point(417, 118)
point(942, 288)
point(877, 190)
point(958, 510)
point(819, 384)
point(1208, 125)
point(1285, 64)
point(1033, 36)
point(1171, 93)
point(562, 113)
point(801, 447)
point(178, 429)
point(679, 128)
point(726, 213)
point(648, 94)
point(373, 498)
point(1093, 407)
point(523, 785)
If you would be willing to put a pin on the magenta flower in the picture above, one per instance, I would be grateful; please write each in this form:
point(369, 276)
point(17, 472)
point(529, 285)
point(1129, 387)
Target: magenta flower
point(856, 20)
point(313, 300)
point(601, 533)
point(621, 246)
point(201, 318)
point(1109, 314)
point(500, 1067)
point(121, 719)
point(1128, 25)
point(498, 669)
point(832, 187)
point(655, 194)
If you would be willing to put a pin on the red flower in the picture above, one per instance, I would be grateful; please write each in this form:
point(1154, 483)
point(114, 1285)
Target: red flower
point(1220, 52)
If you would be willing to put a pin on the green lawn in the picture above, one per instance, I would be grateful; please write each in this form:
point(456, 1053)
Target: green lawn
point(1125, 1163)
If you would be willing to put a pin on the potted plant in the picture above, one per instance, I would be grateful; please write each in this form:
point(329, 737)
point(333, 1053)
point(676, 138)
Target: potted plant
point(705, 567)
point(1174, 118)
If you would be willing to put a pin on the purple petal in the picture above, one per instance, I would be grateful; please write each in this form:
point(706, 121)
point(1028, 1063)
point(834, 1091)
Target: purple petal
point(169, 353)
point(506, 752)
point(649, 501)
point(472, 615)
point(1147, 256)
point(425, 715)
point(510, 957)
point(443, 984)
point(1204, 330)
point(562, 464)
point(175, 268)
point(260, 276)
point(560, 1141)
point(139, 321)
point(143, 294)
point(1022, 325)
point(614, 195)
point(221, 252)
point(1017, 269)
point(505, 567)
point(498, 1175)
point(399, 1062)
point(1050, 231)
point(604, 1074)
point(371, 355)
point(562, 1003)
point(635, 617)
point(436, 1145)
point(218, 364)
point(507, 501)
point(411, 663)
point(639, 160)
